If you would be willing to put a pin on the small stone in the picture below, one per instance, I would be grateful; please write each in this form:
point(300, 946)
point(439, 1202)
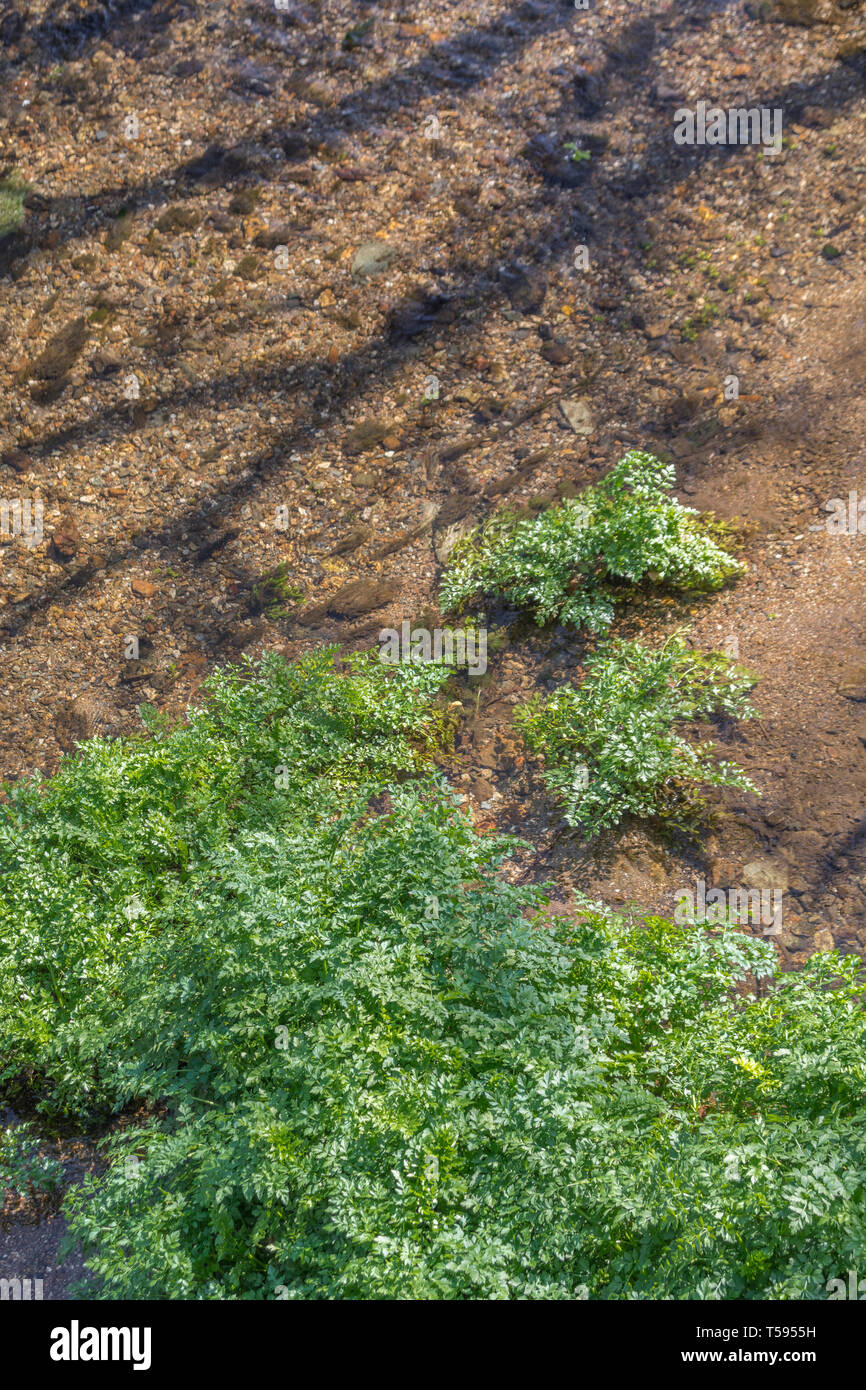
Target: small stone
point(658, 328)
point(853, 682)
point(362, 596)
point(366, 435)
point(526, 288)
point(84, 717)
point(143, 588)
point(557, 354)
point(357, 537)
point(765, 873)
point(371, 258)
point(578, 415)
point(66, 539)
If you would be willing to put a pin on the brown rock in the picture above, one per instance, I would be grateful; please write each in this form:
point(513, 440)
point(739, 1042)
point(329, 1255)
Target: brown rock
point(84, 717)
point(362, 596)
point(357, 537)
point(805, 12)
point(66, 539)
point(364, 436)
point(17, 460)
point(765, 873)
point(143, 588)
point(853, 682)
point(557, 354)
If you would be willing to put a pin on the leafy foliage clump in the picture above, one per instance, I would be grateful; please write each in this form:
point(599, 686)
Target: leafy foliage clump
point(24, 1165)
point(94, 857)
point(273, 593)
point(13, 191)
point(370, 1067)
point(562, 562)
point(611, 746)
point(368, 1101)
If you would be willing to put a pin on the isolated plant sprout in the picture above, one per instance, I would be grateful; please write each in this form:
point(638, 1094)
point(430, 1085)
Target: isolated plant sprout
point(611, 746)
point(13, 190)
point(561, 563)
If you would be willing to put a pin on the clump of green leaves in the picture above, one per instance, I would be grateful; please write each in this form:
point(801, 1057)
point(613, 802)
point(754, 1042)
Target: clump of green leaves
point(13, 191)
point(612, 746)
point(375, 1102)
point(101, 850)
point(563, 562)
point(372, 1068)
point(692, 326)
point(25, 1167)
point(274, 592)
point(354, 37)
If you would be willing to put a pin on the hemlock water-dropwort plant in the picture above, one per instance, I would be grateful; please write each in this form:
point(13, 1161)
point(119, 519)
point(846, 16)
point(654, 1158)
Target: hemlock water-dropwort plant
point(24, 1165)
point(611, 747)
point(364, 1065)
point(561, 564)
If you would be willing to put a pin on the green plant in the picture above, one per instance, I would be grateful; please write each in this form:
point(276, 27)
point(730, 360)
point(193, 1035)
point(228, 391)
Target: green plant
point(24, 1166)
point(611, 747)
point(354, 38)
point(562, 562)
point(702, 319)
point(102, 849)
point(13, 191)
point(273, 592)
point(373, 1102)
point(370, 1066)
point(576, 154)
